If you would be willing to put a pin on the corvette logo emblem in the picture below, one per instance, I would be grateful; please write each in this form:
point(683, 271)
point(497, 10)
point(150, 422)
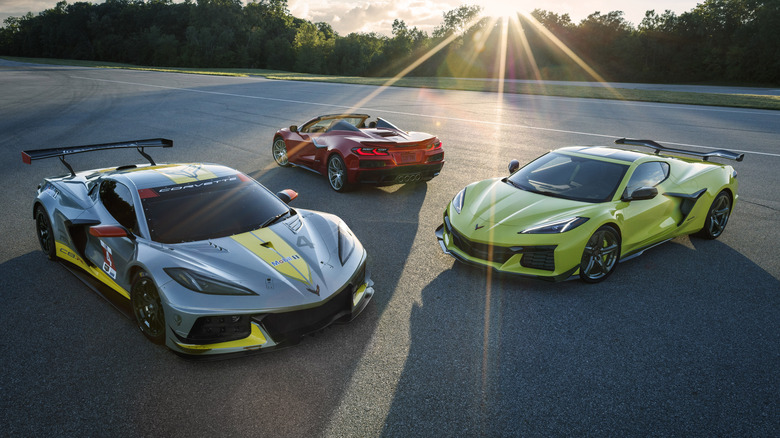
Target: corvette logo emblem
point(191, 171)
point(315, 291)
point(478, 226)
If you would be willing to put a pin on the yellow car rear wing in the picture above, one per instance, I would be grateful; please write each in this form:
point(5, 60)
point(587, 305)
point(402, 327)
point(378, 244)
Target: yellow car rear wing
point(722, 153)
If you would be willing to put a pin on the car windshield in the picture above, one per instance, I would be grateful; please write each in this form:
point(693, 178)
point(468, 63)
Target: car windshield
point(209, 209)
point(345, 125)
point(570, 177)
point(382, 123)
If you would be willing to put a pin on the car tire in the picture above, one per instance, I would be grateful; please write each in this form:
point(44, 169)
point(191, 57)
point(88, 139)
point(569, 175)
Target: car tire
point(147, 307)
point(337, 174)
point(279, 151)
point(600, 256)
point(717, 217)
point(45, 232)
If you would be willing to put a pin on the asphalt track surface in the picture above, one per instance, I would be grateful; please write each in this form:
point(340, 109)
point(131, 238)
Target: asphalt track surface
point(682, 341)
point(654, 87)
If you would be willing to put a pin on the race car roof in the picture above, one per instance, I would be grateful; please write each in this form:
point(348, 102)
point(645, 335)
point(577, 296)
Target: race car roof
point(146, 177)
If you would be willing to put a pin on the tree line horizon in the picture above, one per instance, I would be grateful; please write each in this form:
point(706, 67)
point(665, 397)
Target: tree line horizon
point(719, 41)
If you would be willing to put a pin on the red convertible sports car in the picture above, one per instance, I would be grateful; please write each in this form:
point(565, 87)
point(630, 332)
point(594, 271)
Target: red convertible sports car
point(350, 149)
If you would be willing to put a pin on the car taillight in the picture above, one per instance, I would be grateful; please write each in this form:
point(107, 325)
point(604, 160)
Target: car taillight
point(435, 146)
point(370, 151)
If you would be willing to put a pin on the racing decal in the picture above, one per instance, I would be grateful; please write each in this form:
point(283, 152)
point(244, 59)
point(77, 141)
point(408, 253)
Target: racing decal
point(50, 190)
point(155, 192)
point(185, 173)
point(66, 253)
point(273, 250)
point(285, 260)
point(70, 255)
point(108, 261)
point(303, 241)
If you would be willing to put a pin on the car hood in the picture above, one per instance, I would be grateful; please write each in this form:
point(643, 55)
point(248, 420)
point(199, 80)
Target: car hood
point(293, 261)
point(494, 203)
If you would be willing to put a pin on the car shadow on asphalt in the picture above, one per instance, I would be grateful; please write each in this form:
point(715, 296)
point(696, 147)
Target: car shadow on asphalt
point(680, 341)
point(386, 221)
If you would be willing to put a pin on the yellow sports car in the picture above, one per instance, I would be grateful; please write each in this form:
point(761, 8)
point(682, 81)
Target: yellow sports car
point(581, 210)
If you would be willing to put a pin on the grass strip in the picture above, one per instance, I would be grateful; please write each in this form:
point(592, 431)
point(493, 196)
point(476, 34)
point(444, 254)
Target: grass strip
point(575, 91)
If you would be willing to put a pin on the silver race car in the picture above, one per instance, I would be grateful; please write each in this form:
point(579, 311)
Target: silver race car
point(206, 259)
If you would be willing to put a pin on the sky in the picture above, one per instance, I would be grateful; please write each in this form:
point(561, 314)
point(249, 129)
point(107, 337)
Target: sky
point(347, 16)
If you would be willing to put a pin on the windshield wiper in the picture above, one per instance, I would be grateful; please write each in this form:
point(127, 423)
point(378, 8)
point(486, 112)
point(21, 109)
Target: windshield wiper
point(513, 184)
point(274, 219)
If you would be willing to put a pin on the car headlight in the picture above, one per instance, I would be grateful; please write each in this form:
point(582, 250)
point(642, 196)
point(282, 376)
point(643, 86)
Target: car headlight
point(204, 284)
point(457, 201)
point(346, 242)
point(556, 227)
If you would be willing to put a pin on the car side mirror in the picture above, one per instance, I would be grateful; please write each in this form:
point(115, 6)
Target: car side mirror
point(513, 165)
point(293, 128)
point(287, 195)
point(640, 194)
point(110, 231)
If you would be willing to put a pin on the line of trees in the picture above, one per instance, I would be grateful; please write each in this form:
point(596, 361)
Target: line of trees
point(717, 41)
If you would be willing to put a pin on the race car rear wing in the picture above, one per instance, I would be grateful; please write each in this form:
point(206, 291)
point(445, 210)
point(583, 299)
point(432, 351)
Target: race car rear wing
point(704, 155)
point(39, 154)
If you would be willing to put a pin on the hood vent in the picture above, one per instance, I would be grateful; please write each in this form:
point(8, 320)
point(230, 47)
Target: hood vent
point(215, 247)
point(294, 223)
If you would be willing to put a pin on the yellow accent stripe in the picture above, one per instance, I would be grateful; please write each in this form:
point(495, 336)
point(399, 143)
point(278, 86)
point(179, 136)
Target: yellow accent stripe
point(65, 253)
point(358, 294)
point(255, 339)
point(273, 250)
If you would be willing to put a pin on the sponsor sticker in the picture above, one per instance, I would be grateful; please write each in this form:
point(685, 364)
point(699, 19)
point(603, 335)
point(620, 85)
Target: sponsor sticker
point(108, 261)
point(285, 260)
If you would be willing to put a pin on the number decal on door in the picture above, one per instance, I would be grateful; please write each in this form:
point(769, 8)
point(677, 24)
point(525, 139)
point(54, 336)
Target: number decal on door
point(108, 261)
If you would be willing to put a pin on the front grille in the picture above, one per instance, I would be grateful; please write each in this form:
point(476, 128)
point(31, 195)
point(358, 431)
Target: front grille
point(293, 325)
point(534, 257)
point(498, 254)
point(290, 326)
point(541, 258)
point(219, 328)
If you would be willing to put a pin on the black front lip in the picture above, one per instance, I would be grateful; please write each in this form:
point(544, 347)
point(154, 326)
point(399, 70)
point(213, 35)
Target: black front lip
point(293, 337)
point(557, 278)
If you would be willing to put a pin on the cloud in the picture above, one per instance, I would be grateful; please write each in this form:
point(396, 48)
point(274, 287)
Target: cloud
point(373, 16)
point(22, 7)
